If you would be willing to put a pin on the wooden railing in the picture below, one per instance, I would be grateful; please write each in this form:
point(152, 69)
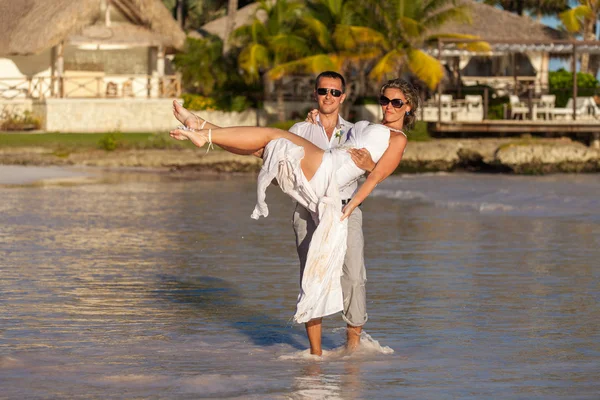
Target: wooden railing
point(89, 86)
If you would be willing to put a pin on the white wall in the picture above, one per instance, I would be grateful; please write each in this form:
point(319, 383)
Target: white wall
point(224, 119)
point(105, 115)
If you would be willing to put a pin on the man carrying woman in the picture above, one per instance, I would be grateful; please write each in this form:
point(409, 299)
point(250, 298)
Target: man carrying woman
point(321, 175)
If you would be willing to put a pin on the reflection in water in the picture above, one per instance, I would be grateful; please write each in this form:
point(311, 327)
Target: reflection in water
point(154, 286)
point(215, 301)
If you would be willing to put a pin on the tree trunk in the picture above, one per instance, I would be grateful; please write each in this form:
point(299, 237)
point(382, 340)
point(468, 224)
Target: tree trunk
point(594, 64)
point(232, 6)
point(179, 12)
point(588, 34)
point(280, 102)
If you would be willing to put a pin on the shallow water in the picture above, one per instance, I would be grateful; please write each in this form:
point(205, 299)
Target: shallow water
point(160, 286)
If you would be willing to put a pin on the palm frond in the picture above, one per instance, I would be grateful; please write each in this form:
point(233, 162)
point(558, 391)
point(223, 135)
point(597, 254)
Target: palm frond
point(348, 37)
point(319, 31)
point(307, 65)
point(253, 58)
point(388, 65)
point(410, 28)
point(425, 67)
point(573, 19)
point(286, 46)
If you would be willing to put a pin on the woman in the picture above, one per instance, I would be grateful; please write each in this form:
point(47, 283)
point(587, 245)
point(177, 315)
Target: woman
point(311, 176)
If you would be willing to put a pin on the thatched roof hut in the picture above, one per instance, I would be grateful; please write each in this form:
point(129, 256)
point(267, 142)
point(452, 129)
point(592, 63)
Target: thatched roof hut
point(32, 26)
point(491, 23)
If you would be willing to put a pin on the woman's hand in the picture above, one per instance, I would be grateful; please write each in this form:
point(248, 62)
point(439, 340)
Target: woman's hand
point(362, 158)
point(348, 209)
point(312, 116)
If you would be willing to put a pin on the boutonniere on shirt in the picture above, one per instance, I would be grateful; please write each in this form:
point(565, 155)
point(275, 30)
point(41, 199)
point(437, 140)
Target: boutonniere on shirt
point(338, 135)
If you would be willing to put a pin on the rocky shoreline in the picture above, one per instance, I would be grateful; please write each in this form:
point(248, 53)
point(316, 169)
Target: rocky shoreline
point(510, 155)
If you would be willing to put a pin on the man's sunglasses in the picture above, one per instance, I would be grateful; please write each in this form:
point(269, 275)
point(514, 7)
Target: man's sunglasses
point(396, 103)
point(334, 92)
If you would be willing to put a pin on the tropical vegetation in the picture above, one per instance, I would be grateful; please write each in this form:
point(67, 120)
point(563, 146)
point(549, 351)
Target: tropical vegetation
point(368, 41)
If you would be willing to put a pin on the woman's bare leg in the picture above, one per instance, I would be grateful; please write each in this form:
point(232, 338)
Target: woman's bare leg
point(247, 140)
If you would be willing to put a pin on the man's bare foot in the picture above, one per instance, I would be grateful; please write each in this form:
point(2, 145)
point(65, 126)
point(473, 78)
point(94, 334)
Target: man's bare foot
point(197, 137)
point(353, 337)
point(185, 116)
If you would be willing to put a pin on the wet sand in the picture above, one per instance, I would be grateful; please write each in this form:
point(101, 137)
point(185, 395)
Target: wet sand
point(23, 175)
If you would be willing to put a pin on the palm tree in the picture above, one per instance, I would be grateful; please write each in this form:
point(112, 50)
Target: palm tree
point(266, 45)
point(582, 20)
point(406, 28)
point(232, 6)
point(202, 65)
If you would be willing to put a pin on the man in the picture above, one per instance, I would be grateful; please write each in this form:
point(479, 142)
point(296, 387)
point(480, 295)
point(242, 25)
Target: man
point(331, 130)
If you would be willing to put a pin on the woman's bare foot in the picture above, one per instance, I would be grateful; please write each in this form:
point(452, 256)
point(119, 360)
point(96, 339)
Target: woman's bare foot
point(197, 137)
point(185, 116)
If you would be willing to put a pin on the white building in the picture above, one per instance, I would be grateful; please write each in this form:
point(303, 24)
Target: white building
point(89, 65)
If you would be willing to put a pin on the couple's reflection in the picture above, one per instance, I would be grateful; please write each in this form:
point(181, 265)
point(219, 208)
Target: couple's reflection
point(315, 382)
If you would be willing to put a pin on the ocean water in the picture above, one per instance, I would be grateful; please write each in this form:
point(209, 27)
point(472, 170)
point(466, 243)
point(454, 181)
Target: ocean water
point(142, 285)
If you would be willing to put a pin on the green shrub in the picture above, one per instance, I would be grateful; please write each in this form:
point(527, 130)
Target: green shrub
point(197, 102)
point(285, 125)
point(109, 142)
point(561, 85)
point(15, 121)
point(419, 133)
point(366, 100)
point(160, 141)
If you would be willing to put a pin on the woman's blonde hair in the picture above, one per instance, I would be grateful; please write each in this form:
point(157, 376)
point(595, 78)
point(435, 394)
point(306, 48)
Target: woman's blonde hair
point(412, 98)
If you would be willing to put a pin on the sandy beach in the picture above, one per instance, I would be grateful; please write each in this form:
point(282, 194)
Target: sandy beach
point(507, 155)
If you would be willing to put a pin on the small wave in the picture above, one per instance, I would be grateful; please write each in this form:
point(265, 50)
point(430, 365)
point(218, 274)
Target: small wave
point(399, 194)
point(368, 347)
point(479, 206)
point(8, 362)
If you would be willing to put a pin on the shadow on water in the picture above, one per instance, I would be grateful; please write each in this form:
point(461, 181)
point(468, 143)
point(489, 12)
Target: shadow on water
point(217, 301)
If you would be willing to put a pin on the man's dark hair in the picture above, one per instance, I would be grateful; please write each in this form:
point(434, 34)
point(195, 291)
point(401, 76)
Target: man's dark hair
point(331, 74)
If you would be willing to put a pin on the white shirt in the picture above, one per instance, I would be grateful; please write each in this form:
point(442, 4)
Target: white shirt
point(315, 133)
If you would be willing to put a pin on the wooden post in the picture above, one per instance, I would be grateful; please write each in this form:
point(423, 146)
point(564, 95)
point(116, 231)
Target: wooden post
point(60, 68)
point(152, 64)
point(530, 103)
point(595, 142)
point(160, 70)
point(514, 69)
point(574, 61)
point(486, 102)
point(439, 88)
point(52, 70)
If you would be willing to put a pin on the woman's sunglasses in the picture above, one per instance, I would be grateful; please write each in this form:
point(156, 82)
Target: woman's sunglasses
point(334, 92)
point(396, 103)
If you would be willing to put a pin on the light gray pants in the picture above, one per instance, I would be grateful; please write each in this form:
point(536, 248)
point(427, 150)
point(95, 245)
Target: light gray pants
point(354, 275)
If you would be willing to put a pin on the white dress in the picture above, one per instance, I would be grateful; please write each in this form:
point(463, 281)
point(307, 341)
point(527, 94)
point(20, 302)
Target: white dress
point(321, 292)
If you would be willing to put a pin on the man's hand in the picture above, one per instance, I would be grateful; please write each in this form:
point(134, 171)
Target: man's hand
point(259, 153)
point(362, 159)
point(312, 116)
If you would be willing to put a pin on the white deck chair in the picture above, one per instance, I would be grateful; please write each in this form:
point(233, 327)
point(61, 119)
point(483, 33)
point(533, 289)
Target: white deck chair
point(546, 105)
point(472, 109)
point(517, 107)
